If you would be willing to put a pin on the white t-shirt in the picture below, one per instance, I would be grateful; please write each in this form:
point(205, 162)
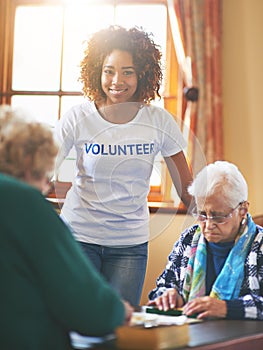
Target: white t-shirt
point(107, 204)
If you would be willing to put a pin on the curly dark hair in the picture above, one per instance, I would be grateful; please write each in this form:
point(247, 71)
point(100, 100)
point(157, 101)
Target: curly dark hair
point(146, 58)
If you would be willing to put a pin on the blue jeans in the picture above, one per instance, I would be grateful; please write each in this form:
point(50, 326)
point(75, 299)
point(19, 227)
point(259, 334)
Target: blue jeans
point(123, 268)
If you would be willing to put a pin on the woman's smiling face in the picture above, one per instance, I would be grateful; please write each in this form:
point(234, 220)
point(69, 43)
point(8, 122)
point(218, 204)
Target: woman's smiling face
point(118, 78)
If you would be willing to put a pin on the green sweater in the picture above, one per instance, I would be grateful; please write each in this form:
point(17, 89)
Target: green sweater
point(48, 287)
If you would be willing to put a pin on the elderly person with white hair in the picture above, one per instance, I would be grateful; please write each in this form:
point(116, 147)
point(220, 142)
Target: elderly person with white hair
point(216, 267)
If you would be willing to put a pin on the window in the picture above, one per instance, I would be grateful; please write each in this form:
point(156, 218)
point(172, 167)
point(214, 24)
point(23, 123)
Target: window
point(43, 44)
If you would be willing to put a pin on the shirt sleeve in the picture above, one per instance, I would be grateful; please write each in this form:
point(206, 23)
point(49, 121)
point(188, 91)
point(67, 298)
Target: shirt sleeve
point(173, 139)
point(64, 136)
point(249, 305)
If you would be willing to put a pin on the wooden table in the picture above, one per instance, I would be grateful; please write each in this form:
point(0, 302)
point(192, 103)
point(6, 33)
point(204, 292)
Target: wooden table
point(220, 335)
point(226, 335)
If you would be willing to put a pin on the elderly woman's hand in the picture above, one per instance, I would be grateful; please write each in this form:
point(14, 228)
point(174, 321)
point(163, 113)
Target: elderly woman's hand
point(170, 299)
point(206, 307)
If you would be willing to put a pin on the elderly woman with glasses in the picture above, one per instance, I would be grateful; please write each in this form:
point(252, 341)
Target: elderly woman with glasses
point(216, 267)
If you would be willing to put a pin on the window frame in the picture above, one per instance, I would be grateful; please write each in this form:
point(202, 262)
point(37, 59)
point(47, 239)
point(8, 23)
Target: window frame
point(158, 194)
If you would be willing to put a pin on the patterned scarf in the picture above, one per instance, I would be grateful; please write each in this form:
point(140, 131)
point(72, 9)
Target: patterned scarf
point(228, 283)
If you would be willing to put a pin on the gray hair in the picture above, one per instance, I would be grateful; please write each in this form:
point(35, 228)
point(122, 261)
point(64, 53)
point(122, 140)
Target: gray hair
point(25, 145)
point(222, 176)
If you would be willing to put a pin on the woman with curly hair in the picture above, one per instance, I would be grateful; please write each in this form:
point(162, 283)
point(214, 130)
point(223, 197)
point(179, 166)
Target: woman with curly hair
point(117, 134)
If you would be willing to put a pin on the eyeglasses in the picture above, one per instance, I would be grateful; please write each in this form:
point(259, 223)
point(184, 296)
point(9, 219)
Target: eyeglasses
point(217, 219)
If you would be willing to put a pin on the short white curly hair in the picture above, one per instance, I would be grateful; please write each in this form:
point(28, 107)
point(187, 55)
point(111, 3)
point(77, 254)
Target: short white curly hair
point(220, 176)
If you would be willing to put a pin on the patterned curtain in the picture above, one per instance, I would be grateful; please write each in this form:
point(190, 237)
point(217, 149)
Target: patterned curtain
point(199, 23)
